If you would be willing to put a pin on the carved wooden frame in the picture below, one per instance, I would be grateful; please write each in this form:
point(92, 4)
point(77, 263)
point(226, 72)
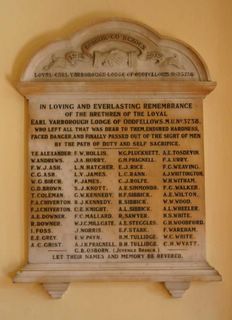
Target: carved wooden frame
point(175, 275)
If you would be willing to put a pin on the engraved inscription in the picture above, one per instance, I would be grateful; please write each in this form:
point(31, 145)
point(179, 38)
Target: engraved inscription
point(116, 180)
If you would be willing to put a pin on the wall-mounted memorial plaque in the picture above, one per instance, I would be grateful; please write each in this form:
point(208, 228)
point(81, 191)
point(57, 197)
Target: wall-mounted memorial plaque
point(116, 160)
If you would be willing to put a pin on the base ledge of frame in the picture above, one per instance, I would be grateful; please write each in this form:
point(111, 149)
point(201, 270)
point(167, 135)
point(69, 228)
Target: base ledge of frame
point(176, 276)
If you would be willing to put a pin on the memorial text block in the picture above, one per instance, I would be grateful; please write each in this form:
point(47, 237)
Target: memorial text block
point(116, 180)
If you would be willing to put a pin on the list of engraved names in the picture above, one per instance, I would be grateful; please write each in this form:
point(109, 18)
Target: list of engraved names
point(116, 180)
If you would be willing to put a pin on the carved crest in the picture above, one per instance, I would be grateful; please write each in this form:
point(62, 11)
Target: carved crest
point(116, 50)
point(112, 59)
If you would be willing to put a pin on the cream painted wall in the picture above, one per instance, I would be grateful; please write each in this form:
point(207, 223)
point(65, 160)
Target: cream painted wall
point(26, 26)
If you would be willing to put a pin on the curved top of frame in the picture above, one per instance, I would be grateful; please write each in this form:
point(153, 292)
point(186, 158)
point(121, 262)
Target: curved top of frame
point(116, 50)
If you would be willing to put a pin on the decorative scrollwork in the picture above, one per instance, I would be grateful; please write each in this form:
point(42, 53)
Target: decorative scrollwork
point(112, 59)
point(70, 58)
point(158, 57)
